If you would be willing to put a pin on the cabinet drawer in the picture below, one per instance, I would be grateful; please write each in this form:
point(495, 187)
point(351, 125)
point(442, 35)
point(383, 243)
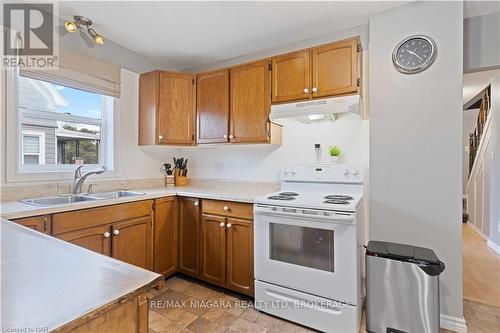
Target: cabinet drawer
point(85, 218)
point(227, 208)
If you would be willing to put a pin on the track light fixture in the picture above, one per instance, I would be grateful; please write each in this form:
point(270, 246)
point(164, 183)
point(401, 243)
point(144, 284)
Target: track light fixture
point(82, 22)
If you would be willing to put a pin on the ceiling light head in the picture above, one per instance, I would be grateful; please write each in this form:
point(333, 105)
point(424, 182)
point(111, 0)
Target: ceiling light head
point(95, 36)
point(82, 21)
point(70, 26)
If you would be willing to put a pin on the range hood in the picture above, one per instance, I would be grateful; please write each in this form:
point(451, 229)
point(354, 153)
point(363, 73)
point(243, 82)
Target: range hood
point(316, 107)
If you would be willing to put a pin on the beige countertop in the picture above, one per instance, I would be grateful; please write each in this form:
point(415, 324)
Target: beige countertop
point(16, 209)
point(47, 283)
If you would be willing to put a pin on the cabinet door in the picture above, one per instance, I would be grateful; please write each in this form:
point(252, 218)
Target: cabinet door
point(133, 242)
point(212, 248)
point(165, 236)
point(335, 68)
point(175, 109)
point(38, 223)
point(188, 242)
point(212, 106)
point(239, 271)
point(250, 102)
point(97, 239)
point(291, 77)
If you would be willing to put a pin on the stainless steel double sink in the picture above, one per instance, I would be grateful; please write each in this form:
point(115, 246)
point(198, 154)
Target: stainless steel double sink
point(72, 198)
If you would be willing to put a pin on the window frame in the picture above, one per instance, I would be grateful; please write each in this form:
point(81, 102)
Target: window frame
point(41, 145)
point(17, 172)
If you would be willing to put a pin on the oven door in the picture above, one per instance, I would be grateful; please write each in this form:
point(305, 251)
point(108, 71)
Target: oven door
point(312, 254)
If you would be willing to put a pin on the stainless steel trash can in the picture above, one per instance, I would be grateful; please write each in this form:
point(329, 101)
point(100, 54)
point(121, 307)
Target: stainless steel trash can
point(402, 288)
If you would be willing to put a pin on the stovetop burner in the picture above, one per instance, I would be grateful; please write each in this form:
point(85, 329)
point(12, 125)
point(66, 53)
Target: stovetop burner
point(339, 197)
point(281, 197)
point(289, 194)
point(336, 202)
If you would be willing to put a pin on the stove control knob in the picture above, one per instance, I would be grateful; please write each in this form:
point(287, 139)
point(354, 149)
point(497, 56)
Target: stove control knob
point(294, 172)
point(286, 172)
point(355, 172)
point(347, 172)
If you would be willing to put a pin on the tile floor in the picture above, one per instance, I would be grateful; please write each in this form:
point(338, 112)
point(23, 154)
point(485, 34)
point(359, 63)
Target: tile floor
point(184, 306)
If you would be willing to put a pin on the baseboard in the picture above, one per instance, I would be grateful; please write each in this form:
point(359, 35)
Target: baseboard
point(476, 229)
point(454, 324)
point(492, 245)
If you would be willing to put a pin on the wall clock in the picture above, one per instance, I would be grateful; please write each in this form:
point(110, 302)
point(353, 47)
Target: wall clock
point(414, 54)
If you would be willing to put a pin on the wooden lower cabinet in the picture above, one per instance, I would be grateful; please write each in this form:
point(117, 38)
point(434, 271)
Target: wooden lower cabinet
point(188, 236)
point(38, 223)
point(165, 236)
point(133, 242)
point(239, 256)
point(123, 231)
point(212, 248)
point(97, 239)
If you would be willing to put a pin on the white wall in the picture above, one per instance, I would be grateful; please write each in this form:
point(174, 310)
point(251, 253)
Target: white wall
point(263, 162)
point(482, 42)
point(469, 123)
point(416, 139)
point(494, 234)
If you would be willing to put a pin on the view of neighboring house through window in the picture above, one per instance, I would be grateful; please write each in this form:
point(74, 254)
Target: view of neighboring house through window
point(61, 125)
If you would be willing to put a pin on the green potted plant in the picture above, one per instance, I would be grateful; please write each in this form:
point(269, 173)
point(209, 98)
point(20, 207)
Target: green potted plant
point(334, 152)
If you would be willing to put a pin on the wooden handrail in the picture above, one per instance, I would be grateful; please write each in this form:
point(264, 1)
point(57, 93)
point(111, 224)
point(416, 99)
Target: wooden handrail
point(482, 117)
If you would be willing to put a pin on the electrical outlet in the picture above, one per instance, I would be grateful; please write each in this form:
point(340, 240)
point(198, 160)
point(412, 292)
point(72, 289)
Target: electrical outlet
point(219, 166)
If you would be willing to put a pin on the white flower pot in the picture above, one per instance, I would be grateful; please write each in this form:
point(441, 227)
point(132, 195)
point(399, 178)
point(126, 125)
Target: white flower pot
point(334, 159)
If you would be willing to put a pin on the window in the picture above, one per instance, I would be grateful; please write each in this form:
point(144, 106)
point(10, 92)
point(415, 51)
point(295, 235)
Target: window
point(33, 147)
point(61, 125)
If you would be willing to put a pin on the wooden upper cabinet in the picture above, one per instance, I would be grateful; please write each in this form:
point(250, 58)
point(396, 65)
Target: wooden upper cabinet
point(250, 90)
point(133, 242)
point(38, 223)
point(291, 76)
point(240, 261)
point(212, 106)
point(166, 108)
point(335, 68)
point(165, 236)
point(176, 109)
point(97, 239)
point(212, 248)
point(188, 236)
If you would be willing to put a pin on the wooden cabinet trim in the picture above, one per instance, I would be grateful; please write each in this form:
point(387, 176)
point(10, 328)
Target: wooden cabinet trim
point(256, 122)
point(235, 209)
point(351, 45)
point(122, 247)
point(165, 234)
point(282, 78)
point(212, 102)
point(86, 218)
point(213, 249)
point(41, 223)
point(240, 269)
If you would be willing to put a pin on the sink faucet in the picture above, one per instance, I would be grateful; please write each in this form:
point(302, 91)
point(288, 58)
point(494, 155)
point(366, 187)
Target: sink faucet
point(78, 178)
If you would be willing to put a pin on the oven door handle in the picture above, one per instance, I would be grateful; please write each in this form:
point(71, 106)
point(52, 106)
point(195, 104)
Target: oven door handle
point(333, 217)
point(304, 302)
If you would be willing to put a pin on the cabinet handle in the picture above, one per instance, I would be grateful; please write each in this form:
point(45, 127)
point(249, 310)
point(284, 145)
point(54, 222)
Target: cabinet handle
point(221, 224)
point(116, 232)
point(225, 136)
point(314, 89)
point(229, 225)
point(231, 136)
point(196, 203)
point(306, 90)
point(160, 137)
point(106, 234)
point(226, 208)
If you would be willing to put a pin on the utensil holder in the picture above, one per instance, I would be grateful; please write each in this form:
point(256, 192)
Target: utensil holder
point(170, 181)
point(181, 180)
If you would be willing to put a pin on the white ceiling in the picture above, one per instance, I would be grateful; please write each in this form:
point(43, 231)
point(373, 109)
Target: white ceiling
point(180, 35)
point(475, 82)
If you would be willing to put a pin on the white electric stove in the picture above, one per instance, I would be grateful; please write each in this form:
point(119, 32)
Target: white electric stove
point(308, 247)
